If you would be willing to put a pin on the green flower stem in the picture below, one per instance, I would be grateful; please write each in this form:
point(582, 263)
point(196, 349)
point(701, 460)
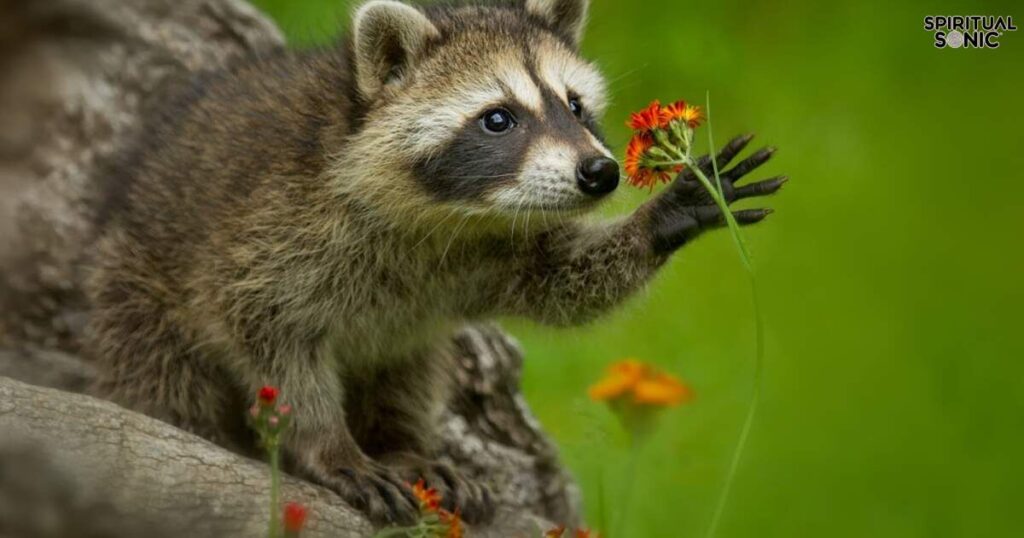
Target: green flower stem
point(748, 422)
point(602, 504)
point(719, 199)
point(716, 193)
point(275, 490)
point(755, 396)
point(635, 444)
point(734, 227)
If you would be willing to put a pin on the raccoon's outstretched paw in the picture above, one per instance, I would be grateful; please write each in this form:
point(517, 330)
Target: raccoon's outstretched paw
point(472, 499)
point(378, 491)
point(687, 190)
point(686, 208)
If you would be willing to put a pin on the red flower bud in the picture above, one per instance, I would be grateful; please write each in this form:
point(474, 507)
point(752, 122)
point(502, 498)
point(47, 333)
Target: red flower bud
point(268, 395)
point(294, 517)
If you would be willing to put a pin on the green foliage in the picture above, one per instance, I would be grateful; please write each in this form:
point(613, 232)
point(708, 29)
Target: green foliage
point(890, 276)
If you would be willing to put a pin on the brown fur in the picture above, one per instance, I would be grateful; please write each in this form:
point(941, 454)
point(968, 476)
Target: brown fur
point(267, 231)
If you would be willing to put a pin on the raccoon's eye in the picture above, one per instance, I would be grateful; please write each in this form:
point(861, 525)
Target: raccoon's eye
point(576, 107)
point(497, 121)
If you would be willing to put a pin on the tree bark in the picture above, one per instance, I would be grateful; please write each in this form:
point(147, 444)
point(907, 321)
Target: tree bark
point(152, 474)
point(77, 75)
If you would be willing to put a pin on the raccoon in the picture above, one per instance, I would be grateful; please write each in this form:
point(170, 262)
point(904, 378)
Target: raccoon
point(324, 220)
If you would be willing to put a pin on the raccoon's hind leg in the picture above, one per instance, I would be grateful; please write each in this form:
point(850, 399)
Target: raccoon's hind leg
point(319, 445)
point(394, 412)
point(148, 365)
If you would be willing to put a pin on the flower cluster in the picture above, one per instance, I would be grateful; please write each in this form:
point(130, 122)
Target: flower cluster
point(435, 522)
point(268, 418)
point(641, 384)
point(430, 499)
point(637, 391)
point(662, 136)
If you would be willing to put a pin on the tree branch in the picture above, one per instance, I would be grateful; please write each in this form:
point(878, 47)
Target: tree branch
point(149, 469)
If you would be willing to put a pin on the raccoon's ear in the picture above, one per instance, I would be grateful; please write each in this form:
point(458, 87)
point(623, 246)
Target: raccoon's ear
point(388, 37)
point(566, 16)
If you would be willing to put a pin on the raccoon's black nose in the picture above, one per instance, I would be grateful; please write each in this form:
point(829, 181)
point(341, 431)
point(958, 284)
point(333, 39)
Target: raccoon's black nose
point(598, 176)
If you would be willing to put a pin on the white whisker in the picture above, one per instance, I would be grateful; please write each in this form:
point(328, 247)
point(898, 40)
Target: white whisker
point(434, 229)
point(458, 229)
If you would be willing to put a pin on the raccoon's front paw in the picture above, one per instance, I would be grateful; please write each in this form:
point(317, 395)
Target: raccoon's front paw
point(472, 499)
point(377, 491)
point(686, 208)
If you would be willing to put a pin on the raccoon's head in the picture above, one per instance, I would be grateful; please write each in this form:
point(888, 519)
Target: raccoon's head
point(484, 107)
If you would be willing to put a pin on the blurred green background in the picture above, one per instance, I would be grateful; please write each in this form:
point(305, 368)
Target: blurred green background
point(891, 276)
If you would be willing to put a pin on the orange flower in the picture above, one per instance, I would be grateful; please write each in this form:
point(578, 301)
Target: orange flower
point(640, 174)
point(692, 116)
point(584, 533)
point(673, 111)
point(647, 119)
point(454, 523)
point(643, 385)
point(430, 499)
point(661, 389)
point(635, 153)
point(622, 377)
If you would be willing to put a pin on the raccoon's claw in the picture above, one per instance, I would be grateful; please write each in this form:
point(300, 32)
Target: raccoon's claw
point(761, 188)
point(377, 491)
point(686, 208)
point(471, 499)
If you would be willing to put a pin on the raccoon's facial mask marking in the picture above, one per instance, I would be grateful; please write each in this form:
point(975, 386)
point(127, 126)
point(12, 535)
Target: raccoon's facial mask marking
point(537, 146)
point(487, 151)
point(509, 157)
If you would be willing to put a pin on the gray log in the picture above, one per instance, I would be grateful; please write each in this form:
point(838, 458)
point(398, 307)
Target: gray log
point(76, 75)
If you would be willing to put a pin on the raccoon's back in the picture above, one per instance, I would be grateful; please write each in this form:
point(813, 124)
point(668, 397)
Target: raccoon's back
point(214, 143)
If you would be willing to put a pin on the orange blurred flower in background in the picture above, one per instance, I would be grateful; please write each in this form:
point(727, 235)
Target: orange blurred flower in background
point(637, 392)
point(661, 389)
point(641, 384)
point(622, 377)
